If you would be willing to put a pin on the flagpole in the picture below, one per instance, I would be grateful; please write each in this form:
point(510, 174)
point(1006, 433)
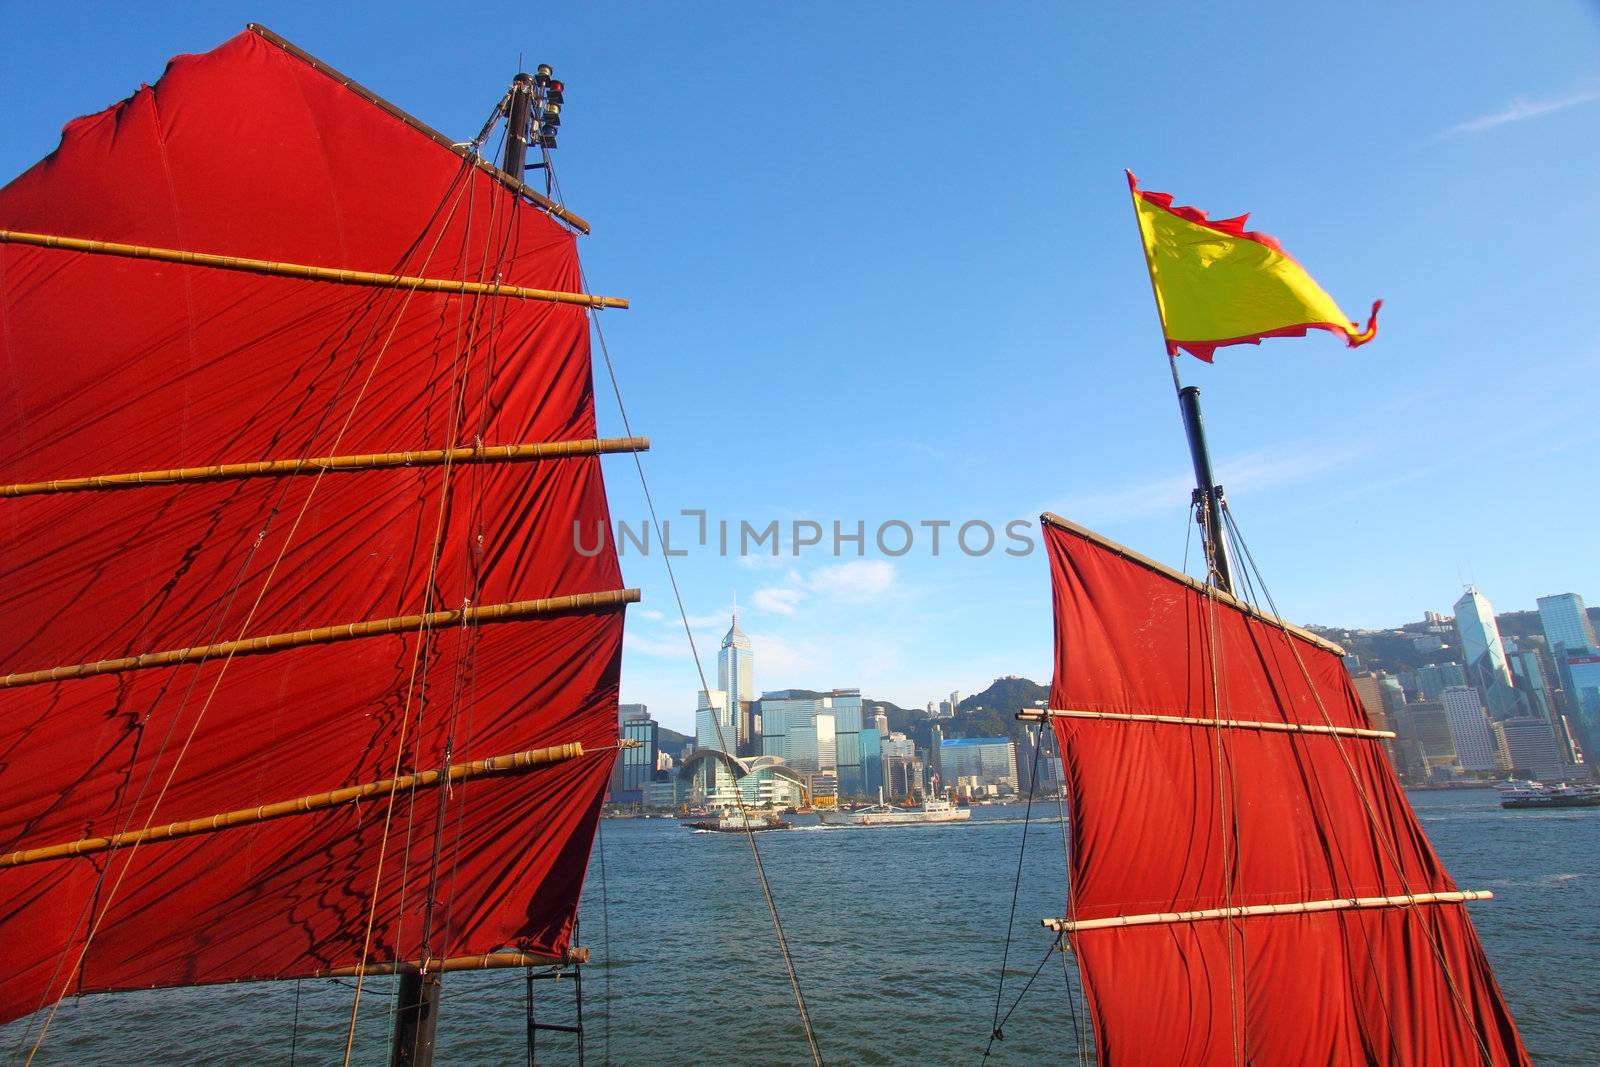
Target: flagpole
point(1208, 494)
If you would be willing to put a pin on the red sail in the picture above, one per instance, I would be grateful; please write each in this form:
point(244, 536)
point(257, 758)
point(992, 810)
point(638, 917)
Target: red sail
point(1190, 816)
point(113, 364)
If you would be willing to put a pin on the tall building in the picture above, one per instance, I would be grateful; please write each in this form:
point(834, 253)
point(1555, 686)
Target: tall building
point(736, 665)
point(847, 724)
point(955, 701)
point(1484, 653)
point(1425, 724)
point(1528, 747)
point(935, 741)
point(715, 725)
point(1581, 675)
point(1433, 678)
point(803, 732)
point(1469, 729)
point(636, 767)
point(986, 760)
point(631, 711)
point(1566, 623)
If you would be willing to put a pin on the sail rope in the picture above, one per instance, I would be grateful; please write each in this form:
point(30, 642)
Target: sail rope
point(1016, 887)
point(1057, 943)
point(1379, 831)
point(460, 371)
point(104, 909)
point(405, 714)
point(472, 561)
point(1332, 847)
point(694, 653)
point(605, 943)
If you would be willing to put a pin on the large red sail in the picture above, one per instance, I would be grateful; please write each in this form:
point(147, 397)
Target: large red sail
point(114, 363)
point(1181, 805)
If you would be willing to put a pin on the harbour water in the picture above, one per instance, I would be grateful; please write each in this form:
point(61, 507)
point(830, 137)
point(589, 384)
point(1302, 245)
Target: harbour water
point(897, 934)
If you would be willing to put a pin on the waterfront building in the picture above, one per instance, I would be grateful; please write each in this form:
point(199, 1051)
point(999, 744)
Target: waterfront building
point(635, 767)
point(902, 776)
point(1425, 735)
point(736, 666)
point(1581, 672)
point(631, 711)
point(665, 793)
point(1533, 683)
point(1469, 729)
point(1435, 677)
point(992, 760)
point(1047, 759)
point(1484, 653)
point(803, 731)
point(1566, 623)
point(871, 761)
point(714, 725)
point(935, 740)
point(1528, 748)
point(847, 724)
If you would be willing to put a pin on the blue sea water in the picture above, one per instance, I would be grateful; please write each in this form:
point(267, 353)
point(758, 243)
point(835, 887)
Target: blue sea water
point(897, 934)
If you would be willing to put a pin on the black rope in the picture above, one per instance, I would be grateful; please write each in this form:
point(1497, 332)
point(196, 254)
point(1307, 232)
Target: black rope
point(605, 941)
point(1016, 886)
point(294, 1027)
point(1000, 1026)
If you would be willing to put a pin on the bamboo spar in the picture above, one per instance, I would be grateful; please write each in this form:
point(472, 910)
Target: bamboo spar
point(1066, 926)
point(337, 275)
point(515, 763)
point(519, 609)
point(481, 962)
point(372, 461)
point(1038, 714)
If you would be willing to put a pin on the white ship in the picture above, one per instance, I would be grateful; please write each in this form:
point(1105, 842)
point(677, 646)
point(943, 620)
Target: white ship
point(934, 809)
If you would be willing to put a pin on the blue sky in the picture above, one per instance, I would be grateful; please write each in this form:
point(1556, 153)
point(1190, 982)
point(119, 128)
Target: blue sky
point(883, 267)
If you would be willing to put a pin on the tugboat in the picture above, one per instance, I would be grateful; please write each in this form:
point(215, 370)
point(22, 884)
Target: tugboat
point(1539, 795)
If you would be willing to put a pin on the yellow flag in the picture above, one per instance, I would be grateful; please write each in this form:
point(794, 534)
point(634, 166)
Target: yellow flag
point(1216, 284)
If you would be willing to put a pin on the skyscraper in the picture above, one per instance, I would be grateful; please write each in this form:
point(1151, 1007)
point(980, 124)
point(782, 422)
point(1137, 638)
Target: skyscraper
point(1469, 729)
point(736, 669)
point(1528, 747)
point(1566, 623)
point(1484, 653)
point(714, 724)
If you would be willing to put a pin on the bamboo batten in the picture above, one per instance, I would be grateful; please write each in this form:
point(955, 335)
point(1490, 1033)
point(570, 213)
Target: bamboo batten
point(519, 609)
point(1066, 926)
point(482, 962)
point(302, 271)
point(1038, 715)
point(520, 453)
point(514, 763)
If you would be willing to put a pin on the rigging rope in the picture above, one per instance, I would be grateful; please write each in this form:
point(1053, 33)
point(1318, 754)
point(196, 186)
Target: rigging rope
point(105, 908)
point(1379, 832)
point(1016, 886)
point(683, 614)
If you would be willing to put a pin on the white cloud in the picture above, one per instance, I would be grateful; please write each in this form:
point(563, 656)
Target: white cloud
point(1522, 109)
point(859, 580)
point(779, 601)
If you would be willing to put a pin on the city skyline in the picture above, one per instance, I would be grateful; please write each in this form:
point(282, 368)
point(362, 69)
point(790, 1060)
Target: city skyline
point(950, 317)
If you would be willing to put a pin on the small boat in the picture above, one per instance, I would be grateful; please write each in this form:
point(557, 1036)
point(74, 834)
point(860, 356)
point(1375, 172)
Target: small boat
point(933, 809)
point(1539, 795)
point(733, 822)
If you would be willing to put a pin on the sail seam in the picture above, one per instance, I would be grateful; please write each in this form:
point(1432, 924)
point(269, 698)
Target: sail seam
point(1185, 720)
point(517, 609)
point(306, 272)
point(1405, 900)
point(432, 457)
